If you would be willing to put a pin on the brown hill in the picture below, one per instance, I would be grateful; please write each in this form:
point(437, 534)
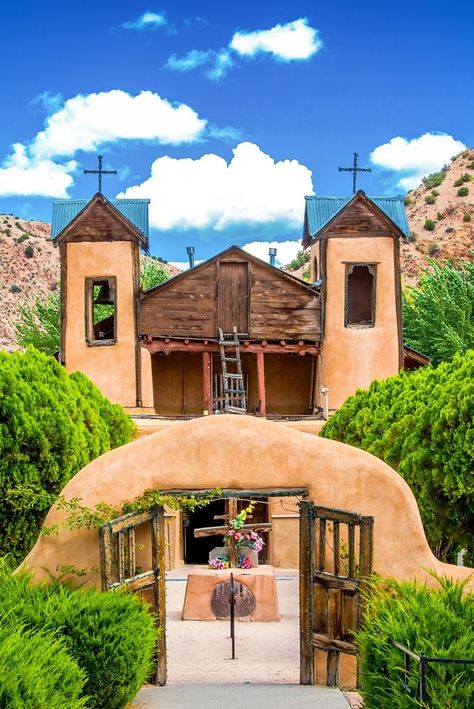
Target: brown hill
point(451, 215)
point(29, 266)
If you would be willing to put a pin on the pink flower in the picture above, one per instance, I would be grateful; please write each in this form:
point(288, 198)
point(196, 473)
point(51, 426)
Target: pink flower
point(237, 536)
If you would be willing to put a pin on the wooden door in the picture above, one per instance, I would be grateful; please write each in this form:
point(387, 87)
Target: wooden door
point(233, 296)
point(121, 566)
point(336, 553)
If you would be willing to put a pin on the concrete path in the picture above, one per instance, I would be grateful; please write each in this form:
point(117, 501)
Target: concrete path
point(236, 696)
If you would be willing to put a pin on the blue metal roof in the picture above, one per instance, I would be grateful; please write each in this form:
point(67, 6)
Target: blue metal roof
point(64, 211)
point(320, 211)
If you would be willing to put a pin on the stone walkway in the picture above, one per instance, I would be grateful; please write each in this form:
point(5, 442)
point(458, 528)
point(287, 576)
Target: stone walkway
point(235, 696)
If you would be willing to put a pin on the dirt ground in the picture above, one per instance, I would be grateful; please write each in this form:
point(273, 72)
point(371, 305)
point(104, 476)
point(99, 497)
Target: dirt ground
point(200, 651)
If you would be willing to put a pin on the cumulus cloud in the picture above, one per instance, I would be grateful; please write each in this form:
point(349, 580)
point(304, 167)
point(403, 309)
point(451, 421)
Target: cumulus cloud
point(295, 41)
point(286, 250)
point(291, 42)
point(252, 190)
point(87, 121)
point(411, 160)
point(20, 175)
point(148, 21)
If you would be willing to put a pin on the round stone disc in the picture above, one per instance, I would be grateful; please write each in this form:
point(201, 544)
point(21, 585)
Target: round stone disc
point(220, 600)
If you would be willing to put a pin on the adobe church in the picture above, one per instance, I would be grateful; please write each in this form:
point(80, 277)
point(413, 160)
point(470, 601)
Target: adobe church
point(304, 347)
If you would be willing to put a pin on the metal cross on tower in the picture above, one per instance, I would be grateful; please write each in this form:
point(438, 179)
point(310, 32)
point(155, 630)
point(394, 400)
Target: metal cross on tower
point(355, 169)
point(100, 172)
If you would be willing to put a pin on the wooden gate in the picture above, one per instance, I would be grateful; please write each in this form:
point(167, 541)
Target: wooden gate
point(336, 552)
point(132, 556)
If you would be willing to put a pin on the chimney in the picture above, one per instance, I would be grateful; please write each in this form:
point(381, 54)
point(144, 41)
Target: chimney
point(272, 253)
point(190, 252)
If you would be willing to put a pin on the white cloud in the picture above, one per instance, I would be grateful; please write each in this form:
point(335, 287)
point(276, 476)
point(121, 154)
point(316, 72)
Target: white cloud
point(252, 190)
point(148, 21)
point(20, 175)
point(294, 41)
point(413, 159)
point(286, 250)
point(85, 122)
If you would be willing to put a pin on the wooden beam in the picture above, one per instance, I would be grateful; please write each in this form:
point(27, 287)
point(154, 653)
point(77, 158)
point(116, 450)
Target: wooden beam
point(206, 382)
point(167, 346)
point(261, 383)
point(212, 531)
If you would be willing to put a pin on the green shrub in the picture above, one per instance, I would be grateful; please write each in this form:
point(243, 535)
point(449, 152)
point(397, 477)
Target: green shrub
point(421, 423)
point(470, 165)
point(433, 249)
point(111, 636)
point(463, 191)
point(22, 238)
point(429, 225)
point(36, 671)
point(300, 259)
point(433, 180)
point(407, 201)
point(51, 425)
point(440, 216)
point(459, 182)
point(438, 623)
point(14, 288)
point(430, 199)
point(152, 273)
point(29, 251)
point(466, 218)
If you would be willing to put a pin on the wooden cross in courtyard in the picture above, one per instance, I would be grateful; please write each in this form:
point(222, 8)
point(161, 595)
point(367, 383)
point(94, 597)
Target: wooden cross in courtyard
point(211, 531)
point(355, 169)
point(100, 172)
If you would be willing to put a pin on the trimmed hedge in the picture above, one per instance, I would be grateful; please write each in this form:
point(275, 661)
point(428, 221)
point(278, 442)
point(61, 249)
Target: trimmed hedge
point(109, 636)
point(51, 425)
point(422, 424)
point(37, 672)
point(438, 623)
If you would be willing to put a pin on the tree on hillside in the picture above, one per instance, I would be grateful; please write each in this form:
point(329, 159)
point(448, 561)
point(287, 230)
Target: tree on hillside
point(51, 425)
point(38, 324)
point(422, 424)
point(438, 314)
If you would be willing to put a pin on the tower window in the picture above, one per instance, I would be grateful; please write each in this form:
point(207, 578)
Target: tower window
point(360, 295)
point(100, 310)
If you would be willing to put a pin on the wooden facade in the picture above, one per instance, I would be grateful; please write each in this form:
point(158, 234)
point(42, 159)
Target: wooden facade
point(233, 288)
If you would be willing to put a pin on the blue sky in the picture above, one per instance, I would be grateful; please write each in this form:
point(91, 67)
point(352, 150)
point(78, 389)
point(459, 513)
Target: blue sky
point(226, 114)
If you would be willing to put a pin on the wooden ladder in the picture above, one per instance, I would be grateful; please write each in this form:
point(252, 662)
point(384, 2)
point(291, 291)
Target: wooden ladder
point(235, 401)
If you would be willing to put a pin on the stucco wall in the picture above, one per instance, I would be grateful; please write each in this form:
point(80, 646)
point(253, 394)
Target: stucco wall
point(246, 452)
point(111, 367)
point(353, 357)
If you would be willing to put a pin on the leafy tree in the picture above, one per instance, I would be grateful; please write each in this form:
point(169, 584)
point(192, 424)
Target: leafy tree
point(422, 424)
point(438, 314)
point(51, 425)
point(39, 322)
point(300, 259)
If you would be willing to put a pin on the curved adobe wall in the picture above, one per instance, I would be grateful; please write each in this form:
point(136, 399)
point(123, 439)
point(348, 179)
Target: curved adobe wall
point(246, 452)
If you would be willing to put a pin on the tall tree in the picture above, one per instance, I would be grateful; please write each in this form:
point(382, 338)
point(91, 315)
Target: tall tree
point(438, 314)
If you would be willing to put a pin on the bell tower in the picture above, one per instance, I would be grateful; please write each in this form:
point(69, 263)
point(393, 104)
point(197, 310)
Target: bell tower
point(355, 256)
point(99, 243)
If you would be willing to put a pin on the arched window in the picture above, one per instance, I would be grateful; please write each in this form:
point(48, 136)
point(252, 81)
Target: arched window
point(360, 295)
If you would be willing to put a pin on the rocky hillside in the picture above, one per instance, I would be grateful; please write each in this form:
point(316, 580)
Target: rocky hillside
point(29, 266)
point(441, 217)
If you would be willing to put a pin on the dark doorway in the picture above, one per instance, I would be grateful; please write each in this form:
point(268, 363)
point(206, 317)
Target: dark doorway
point(196, 551)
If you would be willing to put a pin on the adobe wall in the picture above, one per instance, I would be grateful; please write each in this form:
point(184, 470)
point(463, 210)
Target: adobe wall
point(353, 357)
point(247, 452)
point(111, 368)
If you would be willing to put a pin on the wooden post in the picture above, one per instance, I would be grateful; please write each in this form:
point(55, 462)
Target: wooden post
point(206, 383)
point(261, 383)
point(306, 593)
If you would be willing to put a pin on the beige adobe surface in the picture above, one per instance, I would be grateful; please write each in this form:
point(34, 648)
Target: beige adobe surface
point(245, 452)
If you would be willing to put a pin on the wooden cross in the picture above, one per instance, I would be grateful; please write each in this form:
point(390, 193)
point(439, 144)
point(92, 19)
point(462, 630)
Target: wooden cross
point(211, 531)
point(355, 169)
point(100, 172)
